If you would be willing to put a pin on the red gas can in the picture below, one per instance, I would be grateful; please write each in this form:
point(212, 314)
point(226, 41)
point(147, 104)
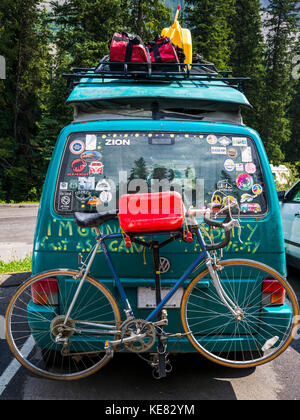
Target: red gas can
point(151, 212)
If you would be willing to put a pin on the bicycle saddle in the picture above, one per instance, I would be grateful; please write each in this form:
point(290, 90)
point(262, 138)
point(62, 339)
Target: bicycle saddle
point(94, 219)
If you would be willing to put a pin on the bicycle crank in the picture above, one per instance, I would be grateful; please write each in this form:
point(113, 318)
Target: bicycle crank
point(137, 335)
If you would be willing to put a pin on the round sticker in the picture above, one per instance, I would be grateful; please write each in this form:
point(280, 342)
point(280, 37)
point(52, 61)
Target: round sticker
point(232, 152)
point(77, 147)
point(257, 189)
point(229, 165)
point(211, 139)
point(244, 182)
point(250, 168)
point(91, 156)
point(78, 165)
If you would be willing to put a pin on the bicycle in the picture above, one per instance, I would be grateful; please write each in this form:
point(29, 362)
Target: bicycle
point(65, 325)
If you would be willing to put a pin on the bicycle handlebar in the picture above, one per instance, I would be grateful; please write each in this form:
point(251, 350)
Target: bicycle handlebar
point(227, 225)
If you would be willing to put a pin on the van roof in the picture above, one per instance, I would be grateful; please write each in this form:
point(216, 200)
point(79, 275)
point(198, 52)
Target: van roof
point(192, 92)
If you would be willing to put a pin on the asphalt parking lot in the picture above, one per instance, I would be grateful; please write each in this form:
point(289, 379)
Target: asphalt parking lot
point(129, 378)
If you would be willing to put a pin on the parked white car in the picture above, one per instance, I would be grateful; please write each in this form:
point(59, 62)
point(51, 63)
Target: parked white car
point(290, 214)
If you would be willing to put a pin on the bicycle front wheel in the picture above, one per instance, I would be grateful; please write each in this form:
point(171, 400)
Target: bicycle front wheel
point(269, 311)
point(35, 319)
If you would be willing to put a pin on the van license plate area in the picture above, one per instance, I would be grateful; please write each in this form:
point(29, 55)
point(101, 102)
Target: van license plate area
point(147, 298)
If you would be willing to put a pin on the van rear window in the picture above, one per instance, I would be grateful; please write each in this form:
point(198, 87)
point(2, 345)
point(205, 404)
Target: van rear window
point(97, 168)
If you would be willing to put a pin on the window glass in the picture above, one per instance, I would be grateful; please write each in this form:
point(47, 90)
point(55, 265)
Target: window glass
point(294, 194)
point(97, 168)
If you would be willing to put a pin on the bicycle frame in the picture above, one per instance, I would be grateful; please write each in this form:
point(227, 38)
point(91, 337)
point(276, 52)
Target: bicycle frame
point(203, 256)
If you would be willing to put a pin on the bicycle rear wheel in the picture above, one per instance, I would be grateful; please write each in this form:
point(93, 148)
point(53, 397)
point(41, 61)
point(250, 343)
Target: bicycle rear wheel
point(266, 328)
point(35, 318)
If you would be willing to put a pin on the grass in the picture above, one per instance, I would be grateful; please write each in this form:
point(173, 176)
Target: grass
point(17, 266)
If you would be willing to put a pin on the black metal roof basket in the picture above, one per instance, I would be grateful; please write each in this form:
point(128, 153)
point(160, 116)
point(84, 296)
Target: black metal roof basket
point(160, 72)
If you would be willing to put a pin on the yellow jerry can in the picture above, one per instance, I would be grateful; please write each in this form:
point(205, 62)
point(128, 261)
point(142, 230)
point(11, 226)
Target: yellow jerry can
point(180, 37)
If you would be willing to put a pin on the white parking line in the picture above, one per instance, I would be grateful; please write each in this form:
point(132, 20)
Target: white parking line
point(14, 366)
point(2, 328)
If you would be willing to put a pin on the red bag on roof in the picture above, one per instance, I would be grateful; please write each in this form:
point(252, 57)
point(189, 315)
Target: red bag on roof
point(127, 48)
point(163, 51)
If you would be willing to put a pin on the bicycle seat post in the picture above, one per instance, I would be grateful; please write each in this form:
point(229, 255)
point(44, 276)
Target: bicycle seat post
point(161, 345)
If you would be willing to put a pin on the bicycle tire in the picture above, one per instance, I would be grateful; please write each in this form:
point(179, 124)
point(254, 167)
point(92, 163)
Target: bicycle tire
point(30, 327)
point(215, 333)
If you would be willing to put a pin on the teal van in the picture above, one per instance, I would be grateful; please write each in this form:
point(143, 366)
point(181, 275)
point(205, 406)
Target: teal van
point(132, 132)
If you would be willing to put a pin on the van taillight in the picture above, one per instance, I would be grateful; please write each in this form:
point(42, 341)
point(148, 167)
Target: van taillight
point(45, 292)
point(273, 292)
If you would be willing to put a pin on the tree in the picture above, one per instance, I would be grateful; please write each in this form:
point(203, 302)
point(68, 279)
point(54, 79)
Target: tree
point(23, 42)
point(247, 55)
point(293, 147)
point(282, 25)
point(209, 21)
point(148, 18)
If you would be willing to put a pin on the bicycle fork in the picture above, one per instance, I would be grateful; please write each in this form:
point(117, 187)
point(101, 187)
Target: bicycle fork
point(233, 308)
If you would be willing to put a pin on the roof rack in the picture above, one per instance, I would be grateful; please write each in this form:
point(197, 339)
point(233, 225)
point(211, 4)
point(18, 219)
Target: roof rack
point(153, 72)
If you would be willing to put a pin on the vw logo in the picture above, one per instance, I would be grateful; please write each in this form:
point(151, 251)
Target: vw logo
point(164, 265)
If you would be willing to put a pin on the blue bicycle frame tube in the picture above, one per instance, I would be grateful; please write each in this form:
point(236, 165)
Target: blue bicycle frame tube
point(203, 256)
point(114, 272)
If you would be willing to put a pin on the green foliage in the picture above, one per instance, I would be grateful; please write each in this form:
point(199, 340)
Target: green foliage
point(247, 56)
point(24, 43)
point(211, 29)
point(147, 18)
point(282, 26)
point(40, 46)
point(17, 266)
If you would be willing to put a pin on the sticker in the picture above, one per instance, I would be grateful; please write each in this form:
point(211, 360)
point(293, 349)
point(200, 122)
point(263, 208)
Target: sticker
point(218, 151)
point(239, 167)
point(91, 142)
point(224, 141)
point(247, 198)
point(229, 200)
point(85, 184)
point(63, 186)
point(250, 168)
point(78, 165)
point(232, 152)
point(73, 184)
point(217, 199)
point(94, 201)
point(106, 196)
point(244, 182)
point(211, 139)
point(239, 141)
point(90, 157)
point(257, 189)
point(65, 201)
point(250, 208)
point(83, 196)
point(103, 185)
point(224, 185)
point(229, 165)
point(96, 168)
point(246, 154)
point(77, 147)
